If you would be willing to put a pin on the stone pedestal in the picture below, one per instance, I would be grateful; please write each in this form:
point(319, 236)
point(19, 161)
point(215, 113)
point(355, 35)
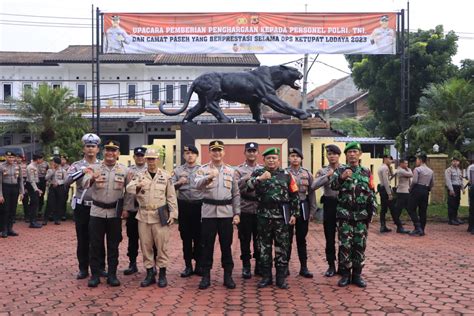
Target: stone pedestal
point(438, 163)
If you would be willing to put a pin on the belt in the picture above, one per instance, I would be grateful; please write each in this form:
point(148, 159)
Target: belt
point(217, 202)
point(11, 185)
point(104, 205)
point(421, 186)
point(191, 201)
point(330, 197)
point(86, 203)
point(249, 197)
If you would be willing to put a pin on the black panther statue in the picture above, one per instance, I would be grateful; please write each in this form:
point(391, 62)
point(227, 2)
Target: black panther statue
point(253, 88)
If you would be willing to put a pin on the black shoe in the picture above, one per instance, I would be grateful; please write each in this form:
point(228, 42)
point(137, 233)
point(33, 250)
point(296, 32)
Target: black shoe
point(246, 274)
point(57, 223)
point(112, 280)
point(281, 273)
point(4, 234)
point(45, 223)
point(12, 233)
point(417, 232)
point(103, 274)
point(228, 281)
point(331, 271)
point(205, 281)
point(132, 268)
point(162, 282)
point(385, 229)
point(357, 279)
point(265, 281)
point(82, 274)
point(345, 280)
point(304, 272)
point(63, 218)
point(150, 278)
point(35, 225)
point(453, 222)
point(460, 222)
point(94, 281)
point(187, 272)
point(401, 230)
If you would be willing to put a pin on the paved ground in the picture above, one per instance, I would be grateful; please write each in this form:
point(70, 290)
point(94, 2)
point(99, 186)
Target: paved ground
point(406, 275)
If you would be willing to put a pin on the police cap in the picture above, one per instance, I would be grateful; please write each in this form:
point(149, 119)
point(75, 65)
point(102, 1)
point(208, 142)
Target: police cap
point(216, 144)
point(139, 151)
point(333, 148)
point(251, 146)
point(191, 148)
point(295, 150)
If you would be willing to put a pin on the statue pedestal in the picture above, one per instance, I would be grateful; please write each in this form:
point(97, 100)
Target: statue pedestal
point(438, 163)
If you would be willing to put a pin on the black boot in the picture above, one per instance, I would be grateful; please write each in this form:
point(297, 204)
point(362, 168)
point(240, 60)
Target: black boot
point(205, 280)
point(132, 268)
point(103, 274)
point(112, 279)
point(331, 271)
point(11, 232)
point(35, 225)
point(4, 234)
point(356, 278)
point(188, 271)
point(246, 270)
point(228, 281)
point(304, 272)
point(281, 273)
point(257, 270)
point(94, 281)
point(345, 278)
point(383, 227)
point(417, 231)
point(82, 274)
point(149, 279)
point(266, 278)
point(162, 282)
point(402, 230)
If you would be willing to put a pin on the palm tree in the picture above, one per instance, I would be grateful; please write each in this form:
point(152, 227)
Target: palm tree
point(445, 116)
point(50, 113)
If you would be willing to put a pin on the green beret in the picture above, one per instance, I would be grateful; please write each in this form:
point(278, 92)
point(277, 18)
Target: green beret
point(271, 151)
point(352, 145)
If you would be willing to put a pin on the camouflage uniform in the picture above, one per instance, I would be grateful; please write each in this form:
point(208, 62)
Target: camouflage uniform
point(356, 203)
point(271, 227)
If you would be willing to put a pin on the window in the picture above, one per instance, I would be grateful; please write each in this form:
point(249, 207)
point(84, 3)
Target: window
point(132, 90)
point(56, 85)
point(183, 91)
point(155, 93)
point(27, 87)
point(169, 93)
point(7, 91)
point(81, 92)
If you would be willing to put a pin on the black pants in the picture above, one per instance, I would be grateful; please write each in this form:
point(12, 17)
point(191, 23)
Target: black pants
point(248, 234)
point(210, 228)
point(66, 196)
point(81, 221)
point(402, 202)
point(385, 204)
point(55, 203)
point(99, 228)
point(8, 208)
point(132, 234)
point(42, 186)
point(471, 208)
point(189, 218)
point(301, 228)
point(454, 202)
point(330, 227)
point(34, 202)
point(418, 200)
point(26, 203)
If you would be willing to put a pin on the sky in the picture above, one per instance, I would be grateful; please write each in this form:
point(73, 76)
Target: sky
point(425, 14)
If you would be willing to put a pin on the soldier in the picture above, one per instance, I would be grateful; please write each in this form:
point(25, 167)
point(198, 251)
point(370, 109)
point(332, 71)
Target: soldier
point(329, 200)
point(423, 181)
point(55, 176)
point(42, 170)
point(132, 223)
point(278, 206)
point(387, 198)
point(107, 182)
point(189, 205)
point(404, 176)
point(34, 192)
point(220, 209)
point(453, 177)
point(158, 208)
point(248, 208)
point(11, 187)
point(304, 180)
point(65, 165)
point(81, 204)
point(470, 179)
point(356, 205)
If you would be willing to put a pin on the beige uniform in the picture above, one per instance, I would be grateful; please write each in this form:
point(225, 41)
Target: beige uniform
point(152, 193)
point(56, 176)
point(248, 201)
point(404, 178)
point(384, 179)
point(11, 174)
point(32, 175)
point(221, 195)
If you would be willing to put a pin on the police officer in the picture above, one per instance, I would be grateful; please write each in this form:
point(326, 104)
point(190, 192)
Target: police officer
point(26, 199)
point(34, 192)
point(42, 167)
point(329, 200)
point(55, 176)
point(248, 208)
point(116, 37)
point(65, 165)
point(132, 223)
point(404, 176)
point(158, 208)
point(356, 205)
point(304, 180)
point(470, 179)
point(220, 209)
point(453, 177)
point(107, 182)
point(11, 187)
point(189, 205)
point(423, 181)
point(81, 204)
point(278, 206)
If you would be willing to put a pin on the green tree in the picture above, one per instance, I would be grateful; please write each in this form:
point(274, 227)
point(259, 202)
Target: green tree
point(430, 62)
point(54, 116)
point(445, 117)
point(466, 70)
point(350, 127)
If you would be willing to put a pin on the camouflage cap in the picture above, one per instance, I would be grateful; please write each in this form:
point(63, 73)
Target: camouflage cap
point(271, 151)
point(352, 145)
point(152, 153)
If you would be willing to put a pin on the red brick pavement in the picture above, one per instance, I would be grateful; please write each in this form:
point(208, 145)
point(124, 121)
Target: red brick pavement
point(406, 275)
